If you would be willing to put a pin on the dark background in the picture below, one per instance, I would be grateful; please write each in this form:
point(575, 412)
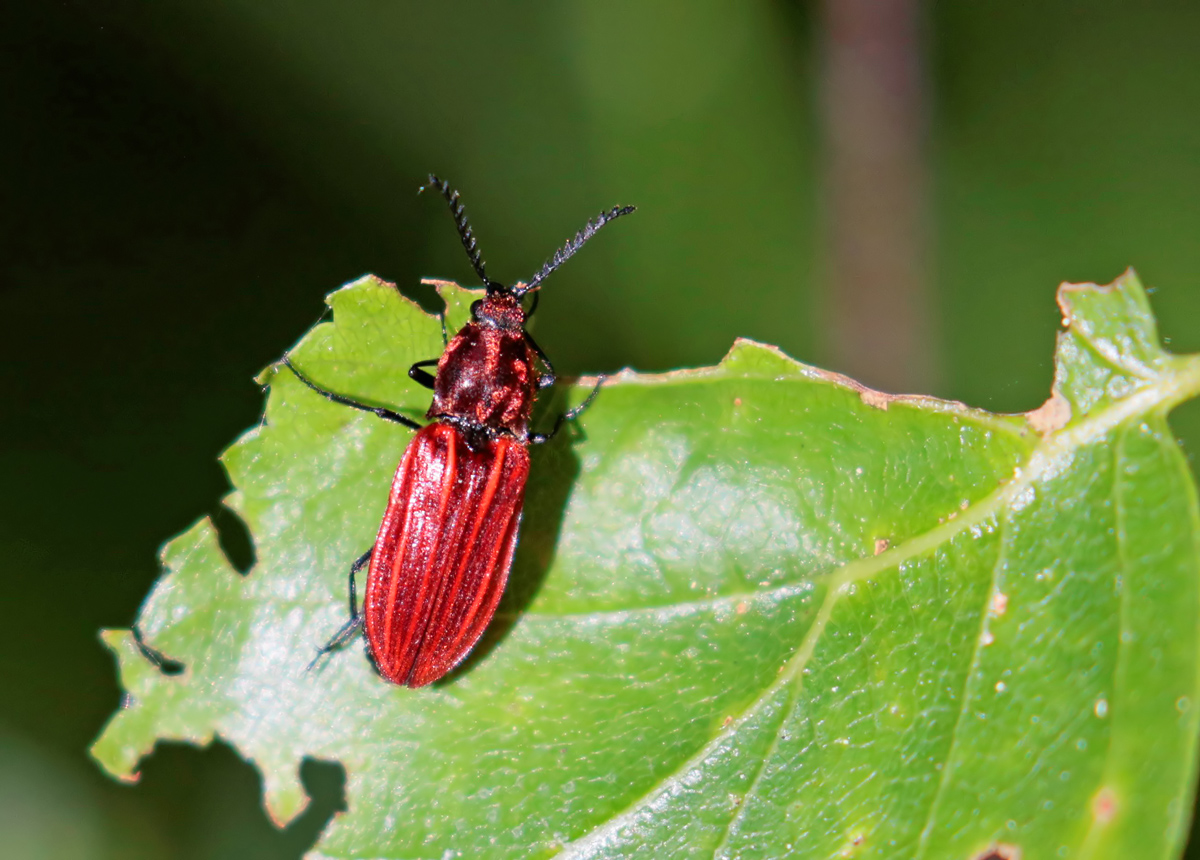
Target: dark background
point(182, 183)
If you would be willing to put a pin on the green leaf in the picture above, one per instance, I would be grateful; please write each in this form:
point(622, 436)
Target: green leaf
point(757, 610)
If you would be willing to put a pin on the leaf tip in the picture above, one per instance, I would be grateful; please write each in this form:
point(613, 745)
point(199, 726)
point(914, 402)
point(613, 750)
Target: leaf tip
point(363, 282)
point(265, 376)
point(284, 797)
point(741, 344)
point(1128, 282)
point(118, 749)
point(116, 759)
point(113, 637)
point(757, 358)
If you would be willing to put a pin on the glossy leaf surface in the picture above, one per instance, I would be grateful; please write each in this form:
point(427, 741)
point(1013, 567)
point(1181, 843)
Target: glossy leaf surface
point(756, 611)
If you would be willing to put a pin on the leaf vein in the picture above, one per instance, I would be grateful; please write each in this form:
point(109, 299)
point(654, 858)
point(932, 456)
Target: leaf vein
point(758, 774)
point(1045, 461)
point(1091, 840)
point(969, 684)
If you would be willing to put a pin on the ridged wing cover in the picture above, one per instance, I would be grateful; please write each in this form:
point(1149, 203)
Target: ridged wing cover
point(443, 552)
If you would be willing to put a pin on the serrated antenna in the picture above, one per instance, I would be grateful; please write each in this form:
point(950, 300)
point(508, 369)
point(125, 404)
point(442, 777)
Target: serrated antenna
point(568, 250)
point(464, 226)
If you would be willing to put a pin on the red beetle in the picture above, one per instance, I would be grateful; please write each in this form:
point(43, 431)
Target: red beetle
point(446, 544)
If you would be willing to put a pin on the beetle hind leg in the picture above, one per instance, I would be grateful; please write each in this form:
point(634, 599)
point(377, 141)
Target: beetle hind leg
point(353, 624)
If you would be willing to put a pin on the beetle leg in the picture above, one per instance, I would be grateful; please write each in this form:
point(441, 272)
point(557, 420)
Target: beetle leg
point(347, 631)
point(546, 379)
point(359, 563)
point(423, 377)
point(161, 661)
point(386, 414)
point(569, 415)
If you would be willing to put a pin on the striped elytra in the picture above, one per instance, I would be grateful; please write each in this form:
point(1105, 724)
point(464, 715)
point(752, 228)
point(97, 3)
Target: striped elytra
point(444, 550)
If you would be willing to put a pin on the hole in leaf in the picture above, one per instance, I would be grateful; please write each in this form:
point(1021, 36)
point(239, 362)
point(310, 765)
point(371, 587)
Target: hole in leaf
point(210, 804)
point(325, 782)
point(427, 298)
point(234, 539)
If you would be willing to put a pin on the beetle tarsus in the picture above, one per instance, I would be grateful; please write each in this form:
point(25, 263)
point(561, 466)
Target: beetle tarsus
point(347, 632)
point(353, 623)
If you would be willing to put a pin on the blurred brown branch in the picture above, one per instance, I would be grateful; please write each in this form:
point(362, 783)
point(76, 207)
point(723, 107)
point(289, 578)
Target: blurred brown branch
point(873, 111)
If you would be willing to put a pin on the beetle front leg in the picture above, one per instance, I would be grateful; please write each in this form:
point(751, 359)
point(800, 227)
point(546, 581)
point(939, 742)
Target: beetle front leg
point(341, 399)
point(569, 415)
point(423, 377)
point(548, 378)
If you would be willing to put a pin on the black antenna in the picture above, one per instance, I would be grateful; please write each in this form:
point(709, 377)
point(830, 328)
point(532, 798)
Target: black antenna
point(568, 250)
point(464, 226)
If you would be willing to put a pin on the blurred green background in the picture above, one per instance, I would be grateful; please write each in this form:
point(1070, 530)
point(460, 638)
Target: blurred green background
point(183, 183)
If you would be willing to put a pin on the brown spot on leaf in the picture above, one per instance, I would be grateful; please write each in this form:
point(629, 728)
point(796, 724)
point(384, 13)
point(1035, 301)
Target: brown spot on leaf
point(851, 849)
point(1104, 805)
point(999, 603)
point(998, 851)
point(881, 545)
point(1051, 415)
point(871, 397)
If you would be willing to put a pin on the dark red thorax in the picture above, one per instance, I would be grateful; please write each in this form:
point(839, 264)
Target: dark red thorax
point(486, 379)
